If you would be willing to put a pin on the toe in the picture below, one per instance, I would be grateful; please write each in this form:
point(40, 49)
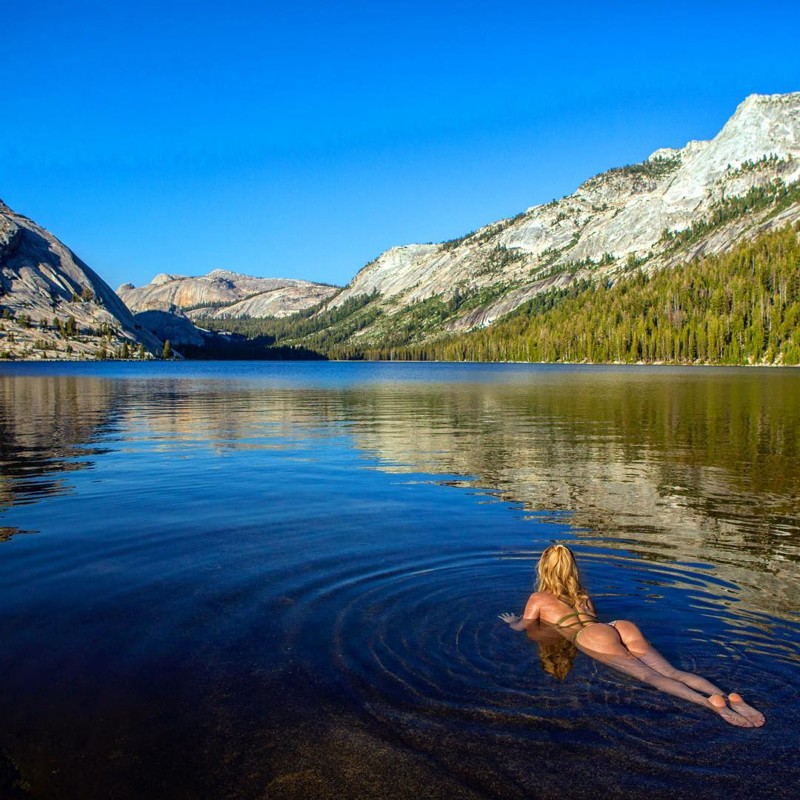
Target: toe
point(717, 700)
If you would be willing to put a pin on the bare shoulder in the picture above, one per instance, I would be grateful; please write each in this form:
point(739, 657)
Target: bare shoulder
point(539, 597)
point(534, 604)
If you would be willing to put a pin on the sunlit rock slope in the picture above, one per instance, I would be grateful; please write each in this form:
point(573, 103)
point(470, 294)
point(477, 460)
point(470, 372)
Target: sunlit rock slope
point(680, 203)
point(223, 294)
point(52, 305)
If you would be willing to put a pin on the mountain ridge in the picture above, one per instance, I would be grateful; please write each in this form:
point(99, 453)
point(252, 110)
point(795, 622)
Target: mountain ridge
point(223, 294)
point(54, 305)
point(612, 216)
point(679, 205)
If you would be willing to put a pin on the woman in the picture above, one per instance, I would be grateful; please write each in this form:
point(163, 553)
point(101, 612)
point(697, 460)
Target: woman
point(561, 601)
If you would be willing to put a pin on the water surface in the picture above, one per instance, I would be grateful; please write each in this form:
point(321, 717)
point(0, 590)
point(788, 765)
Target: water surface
point(282, 580)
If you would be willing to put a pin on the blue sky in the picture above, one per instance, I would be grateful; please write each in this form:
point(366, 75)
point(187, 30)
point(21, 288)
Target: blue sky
point(302, 139)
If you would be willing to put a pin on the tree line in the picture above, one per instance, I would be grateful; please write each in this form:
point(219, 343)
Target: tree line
point(735, 308)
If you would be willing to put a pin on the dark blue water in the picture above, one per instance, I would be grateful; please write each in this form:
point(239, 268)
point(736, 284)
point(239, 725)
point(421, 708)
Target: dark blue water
point(283, 580)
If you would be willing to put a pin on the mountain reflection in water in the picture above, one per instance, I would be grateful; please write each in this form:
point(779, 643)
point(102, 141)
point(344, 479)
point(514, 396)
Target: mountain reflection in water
point(322, 549)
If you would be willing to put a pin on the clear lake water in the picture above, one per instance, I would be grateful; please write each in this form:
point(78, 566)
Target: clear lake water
point(282, 580)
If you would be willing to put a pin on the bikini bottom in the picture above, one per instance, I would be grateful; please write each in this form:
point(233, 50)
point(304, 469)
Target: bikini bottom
point(613, 624)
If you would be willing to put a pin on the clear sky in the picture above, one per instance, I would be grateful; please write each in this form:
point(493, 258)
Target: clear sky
point(301, 139)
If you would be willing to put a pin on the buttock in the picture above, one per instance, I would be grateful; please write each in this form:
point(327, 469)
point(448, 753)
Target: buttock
point(612, 624)
point(591, 624)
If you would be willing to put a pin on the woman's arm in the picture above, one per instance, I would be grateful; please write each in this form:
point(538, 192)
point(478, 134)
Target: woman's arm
point(529, 615)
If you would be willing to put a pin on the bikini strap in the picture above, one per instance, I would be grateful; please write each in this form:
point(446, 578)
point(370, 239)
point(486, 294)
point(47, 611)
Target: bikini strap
point(578, 621)
point(567, 616)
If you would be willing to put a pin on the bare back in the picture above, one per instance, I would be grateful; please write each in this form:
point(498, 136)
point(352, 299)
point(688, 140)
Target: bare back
point(568, 620)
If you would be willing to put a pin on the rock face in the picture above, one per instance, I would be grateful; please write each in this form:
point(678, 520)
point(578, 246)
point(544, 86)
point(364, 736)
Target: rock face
point(53, 305)
point(222, 294)
point(616, 221)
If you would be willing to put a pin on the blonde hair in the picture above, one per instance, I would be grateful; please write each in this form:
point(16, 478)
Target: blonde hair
point(556, 658)
point(558, 574)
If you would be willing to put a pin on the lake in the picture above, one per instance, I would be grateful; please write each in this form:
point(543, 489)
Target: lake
point(282, 580)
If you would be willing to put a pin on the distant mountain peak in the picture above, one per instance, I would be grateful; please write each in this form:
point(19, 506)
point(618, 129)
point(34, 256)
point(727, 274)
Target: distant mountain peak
point(224, 293)
point(230, 275)
point(619, 220)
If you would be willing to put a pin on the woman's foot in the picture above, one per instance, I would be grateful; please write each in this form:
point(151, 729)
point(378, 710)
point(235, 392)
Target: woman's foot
point(718, 704)
point(745, 710)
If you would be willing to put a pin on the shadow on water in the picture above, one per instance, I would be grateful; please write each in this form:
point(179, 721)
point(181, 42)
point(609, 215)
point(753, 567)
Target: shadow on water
point(283, 580)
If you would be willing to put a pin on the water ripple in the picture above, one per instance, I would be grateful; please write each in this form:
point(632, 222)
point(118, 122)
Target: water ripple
point(422, 642)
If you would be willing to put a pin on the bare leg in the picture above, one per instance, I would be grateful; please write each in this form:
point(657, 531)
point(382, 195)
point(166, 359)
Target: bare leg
point(605, 644)
point(633, 639)
point(638, 646)
point(631, 665)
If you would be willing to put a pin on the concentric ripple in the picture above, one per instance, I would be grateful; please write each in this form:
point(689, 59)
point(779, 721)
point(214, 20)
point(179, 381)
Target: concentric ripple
point(419, 645)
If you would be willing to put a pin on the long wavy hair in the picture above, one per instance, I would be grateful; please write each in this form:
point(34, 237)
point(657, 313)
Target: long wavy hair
point(557, 657)
point(558, 574)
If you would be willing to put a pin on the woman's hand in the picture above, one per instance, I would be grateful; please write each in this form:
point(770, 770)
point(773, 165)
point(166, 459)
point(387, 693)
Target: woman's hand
point(509, 618)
